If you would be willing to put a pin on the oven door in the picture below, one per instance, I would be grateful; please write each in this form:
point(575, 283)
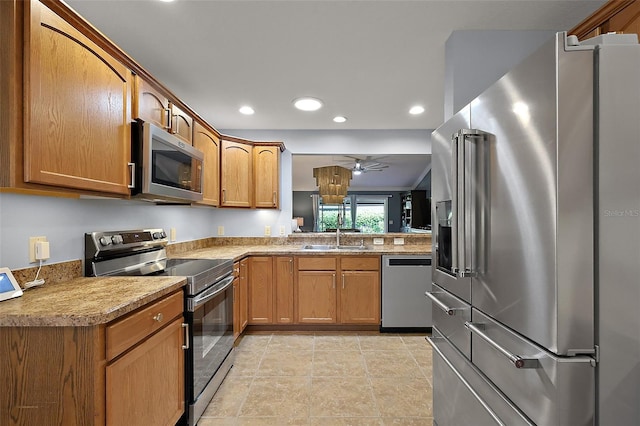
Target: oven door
point(210, 317)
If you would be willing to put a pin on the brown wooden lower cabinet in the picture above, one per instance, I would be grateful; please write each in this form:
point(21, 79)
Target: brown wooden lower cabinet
point(64, 375)
point(338, 290)
point(283, 289)
point(313, 290)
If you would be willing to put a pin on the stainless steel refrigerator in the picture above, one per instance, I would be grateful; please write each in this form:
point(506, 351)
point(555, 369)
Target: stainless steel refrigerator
point(536, 233)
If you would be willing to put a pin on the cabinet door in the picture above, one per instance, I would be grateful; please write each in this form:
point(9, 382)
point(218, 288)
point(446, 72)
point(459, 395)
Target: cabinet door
point(236, 174)
point(266, 166)
point(77, 111)
point(284, 290)
point(209, 144)
point(244, 294)
point(145, 386)
point(181, 124)
point(360, 297)
point(150, 105)
point(261, 290)
point(316, 296)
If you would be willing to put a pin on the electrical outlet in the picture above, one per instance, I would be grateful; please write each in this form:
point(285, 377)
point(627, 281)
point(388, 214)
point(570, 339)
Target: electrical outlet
point(282, 230)
point(378, 241)
point(220, 230)
point(398, 241)
point(267, 231)
point(32, 247)
point(172, 234)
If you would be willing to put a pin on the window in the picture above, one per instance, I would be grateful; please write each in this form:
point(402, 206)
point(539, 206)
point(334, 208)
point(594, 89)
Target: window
point(370, 214)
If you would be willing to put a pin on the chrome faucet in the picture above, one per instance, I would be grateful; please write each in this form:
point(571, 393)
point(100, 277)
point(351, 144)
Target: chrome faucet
point(339, 224)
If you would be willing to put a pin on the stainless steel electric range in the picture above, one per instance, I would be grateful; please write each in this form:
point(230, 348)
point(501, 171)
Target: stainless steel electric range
point(208, 302)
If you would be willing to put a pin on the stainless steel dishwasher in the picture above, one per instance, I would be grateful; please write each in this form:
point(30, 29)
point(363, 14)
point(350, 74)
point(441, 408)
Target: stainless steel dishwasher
point(405, 279)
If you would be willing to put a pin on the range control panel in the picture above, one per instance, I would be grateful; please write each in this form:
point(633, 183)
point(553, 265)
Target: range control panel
point(100, 243)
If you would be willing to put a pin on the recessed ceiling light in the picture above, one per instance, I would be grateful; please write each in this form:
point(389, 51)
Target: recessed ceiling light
point(307, 104)
point(246, 110)
point(339, 119)
point(166, 1)
point(417, 109)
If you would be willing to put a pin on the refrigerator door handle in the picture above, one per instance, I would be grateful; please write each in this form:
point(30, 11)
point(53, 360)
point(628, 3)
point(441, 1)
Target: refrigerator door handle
point(516, 360)
point(446, 309)
point(470, 199)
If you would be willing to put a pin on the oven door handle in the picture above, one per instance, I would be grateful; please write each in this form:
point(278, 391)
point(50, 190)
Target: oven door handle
point(213, 292)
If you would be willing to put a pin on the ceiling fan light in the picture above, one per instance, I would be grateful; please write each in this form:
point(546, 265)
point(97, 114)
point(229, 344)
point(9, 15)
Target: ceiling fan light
point(307, 104)
point(357, 172)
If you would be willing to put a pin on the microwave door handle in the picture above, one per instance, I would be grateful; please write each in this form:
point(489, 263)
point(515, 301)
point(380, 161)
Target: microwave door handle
point(132, 167)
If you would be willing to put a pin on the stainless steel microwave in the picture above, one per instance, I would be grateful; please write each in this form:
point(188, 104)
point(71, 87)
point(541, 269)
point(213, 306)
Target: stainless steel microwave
point(164, 169)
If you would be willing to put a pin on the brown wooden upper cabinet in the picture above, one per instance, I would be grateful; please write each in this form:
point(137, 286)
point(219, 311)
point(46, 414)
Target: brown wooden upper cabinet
point(151, 105)
point(620, 16)
point(236, 182)
point(266, 169)
point(207, 142)
point(77, 108)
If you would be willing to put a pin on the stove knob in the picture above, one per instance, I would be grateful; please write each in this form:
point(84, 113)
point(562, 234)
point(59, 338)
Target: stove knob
point(104, 241)
point(116, 239)
point(158, 235)
point(163, 235)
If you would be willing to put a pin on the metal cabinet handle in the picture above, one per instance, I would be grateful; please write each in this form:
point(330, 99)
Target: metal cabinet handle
point(291, 265)
point(516, 360)
point(447, 310)
point(334, 280)
point(186, 335)
point(343, 281)
point(158, 317)
point(175, 120)
point(168, 126)
point(460, 377)
point(274, 198)
point(132, 167)
point(224, 195)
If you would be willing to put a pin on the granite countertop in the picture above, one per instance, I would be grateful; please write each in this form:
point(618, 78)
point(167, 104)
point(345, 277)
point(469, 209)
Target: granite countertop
point(238, 252)
point(89, 301)
point(84, 301)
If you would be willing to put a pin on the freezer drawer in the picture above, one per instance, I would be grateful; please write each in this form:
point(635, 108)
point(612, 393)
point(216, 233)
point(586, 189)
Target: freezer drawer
point(549, 389)
point(449, 315)
point(462, 395)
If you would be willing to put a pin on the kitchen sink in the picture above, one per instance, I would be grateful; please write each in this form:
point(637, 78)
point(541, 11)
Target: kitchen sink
point(333, 247)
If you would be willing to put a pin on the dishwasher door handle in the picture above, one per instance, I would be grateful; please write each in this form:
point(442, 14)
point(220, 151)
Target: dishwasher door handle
point(408, 261)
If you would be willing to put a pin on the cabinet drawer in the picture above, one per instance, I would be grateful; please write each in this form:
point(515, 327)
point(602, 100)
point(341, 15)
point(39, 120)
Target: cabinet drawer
point(457, 383)
point(317, 263)
point(564, 386)
point(356, 263)
point(126, 332)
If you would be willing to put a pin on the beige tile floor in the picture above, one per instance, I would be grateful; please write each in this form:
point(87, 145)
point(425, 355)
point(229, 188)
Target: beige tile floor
point(326, 379)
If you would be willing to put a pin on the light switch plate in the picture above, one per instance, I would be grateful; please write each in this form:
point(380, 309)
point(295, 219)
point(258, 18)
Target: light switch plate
point(378, 241)
point(282, 230)
point(267, 231)
point(398, 241)
point(172, 234)
point(220, 230)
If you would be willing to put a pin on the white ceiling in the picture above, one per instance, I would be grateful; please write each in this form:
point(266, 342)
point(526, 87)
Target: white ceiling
point(369, 60)
point(404, 172)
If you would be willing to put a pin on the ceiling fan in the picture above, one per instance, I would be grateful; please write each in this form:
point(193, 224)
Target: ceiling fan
point(369, 164)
